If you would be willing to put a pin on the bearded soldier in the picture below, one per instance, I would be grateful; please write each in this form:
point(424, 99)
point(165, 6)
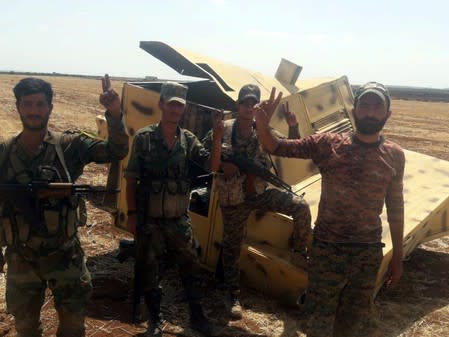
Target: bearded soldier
point(42, 246)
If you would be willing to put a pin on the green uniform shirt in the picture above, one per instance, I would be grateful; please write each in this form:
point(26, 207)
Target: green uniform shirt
point(197, 156)
point(79, 149)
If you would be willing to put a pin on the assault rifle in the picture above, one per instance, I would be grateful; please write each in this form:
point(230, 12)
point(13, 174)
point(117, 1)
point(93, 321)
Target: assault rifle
point(27, 197)
point(247, 165)
point(44, 189)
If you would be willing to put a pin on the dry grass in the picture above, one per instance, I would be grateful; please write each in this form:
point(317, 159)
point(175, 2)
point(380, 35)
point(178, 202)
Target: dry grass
point(419, 306)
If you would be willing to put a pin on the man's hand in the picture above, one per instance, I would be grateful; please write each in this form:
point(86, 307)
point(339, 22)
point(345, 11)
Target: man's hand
point(394, 270)
point(270, 105)
point(290, 117)
point(109, 98)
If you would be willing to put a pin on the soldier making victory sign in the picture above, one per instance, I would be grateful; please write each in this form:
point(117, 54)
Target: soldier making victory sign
point(40, 233)
point(158, 177)
point(360, 173)
point(242, 192)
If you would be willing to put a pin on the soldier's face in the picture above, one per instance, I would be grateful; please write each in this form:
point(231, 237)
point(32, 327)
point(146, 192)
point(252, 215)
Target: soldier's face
point(370, 114)
point(172, 111)
point(245, 109)
point(34, 111)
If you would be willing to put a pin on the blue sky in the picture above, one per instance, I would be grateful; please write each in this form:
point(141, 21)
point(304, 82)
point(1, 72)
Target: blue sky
point(394, 42)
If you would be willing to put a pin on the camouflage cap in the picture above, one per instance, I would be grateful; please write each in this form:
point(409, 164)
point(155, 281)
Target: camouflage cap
point(249, 91)
point(172, 91)
point(375, 88)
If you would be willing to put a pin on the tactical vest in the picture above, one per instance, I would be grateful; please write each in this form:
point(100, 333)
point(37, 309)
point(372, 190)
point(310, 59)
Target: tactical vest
point(55, 220)
point(165, 176)
point(230, 189)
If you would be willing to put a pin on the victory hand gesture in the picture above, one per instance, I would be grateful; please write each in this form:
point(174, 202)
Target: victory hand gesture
point(265, 109)
point(109, 98)
point(271, 104)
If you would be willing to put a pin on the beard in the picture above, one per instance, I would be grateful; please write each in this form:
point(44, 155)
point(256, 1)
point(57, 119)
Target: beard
point(369, 126)
point(43, 121)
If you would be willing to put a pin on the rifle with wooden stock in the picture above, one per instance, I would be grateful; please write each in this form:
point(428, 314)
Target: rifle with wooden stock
point(27, 197)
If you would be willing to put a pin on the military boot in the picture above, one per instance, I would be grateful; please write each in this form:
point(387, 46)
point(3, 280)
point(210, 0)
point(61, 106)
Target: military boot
point(200, 322)
point(156, 320)
point(233, 305)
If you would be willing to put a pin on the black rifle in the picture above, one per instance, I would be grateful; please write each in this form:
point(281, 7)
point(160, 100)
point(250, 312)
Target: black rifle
point(141, 246)
point(44, 189)
point(247, 165)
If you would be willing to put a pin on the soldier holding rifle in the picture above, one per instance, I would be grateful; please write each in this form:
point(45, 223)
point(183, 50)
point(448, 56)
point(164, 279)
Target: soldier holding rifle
point(158, 180)
point(242, 191)
point(39, 230)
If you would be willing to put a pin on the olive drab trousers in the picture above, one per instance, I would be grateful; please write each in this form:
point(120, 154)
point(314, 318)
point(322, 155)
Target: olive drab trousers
point(235, 217)
point(65, 274)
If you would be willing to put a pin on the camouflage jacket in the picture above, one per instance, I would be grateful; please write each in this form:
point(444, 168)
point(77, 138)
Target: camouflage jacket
point(79, 149)
point(149, 144)
point(19, 167)
point(357, 179)
point(233, 189)
point(164, 175)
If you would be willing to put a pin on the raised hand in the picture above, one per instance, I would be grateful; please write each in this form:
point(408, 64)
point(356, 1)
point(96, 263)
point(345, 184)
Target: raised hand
point(290, 117)
point(263, 112)
point(109, 98)
point(270, 105)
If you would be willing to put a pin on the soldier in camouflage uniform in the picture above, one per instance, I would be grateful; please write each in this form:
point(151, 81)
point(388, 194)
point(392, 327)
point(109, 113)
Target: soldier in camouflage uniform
point(360, 172)
point(241, 193)
point(158, 192)
point(45, 251)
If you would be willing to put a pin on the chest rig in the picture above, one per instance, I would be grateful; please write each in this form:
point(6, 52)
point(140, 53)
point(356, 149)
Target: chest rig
point(165, 176)
point(38, 225)
point(231, 190)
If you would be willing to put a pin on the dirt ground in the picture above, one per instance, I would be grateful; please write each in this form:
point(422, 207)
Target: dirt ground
point(419, 306)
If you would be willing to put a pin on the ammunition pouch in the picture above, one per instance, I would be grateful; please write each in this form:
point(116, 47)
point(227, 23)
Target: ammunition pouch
point(44, 262)
point(60, 219)
point(66, 217)
point(230, 189)
point(168, 198)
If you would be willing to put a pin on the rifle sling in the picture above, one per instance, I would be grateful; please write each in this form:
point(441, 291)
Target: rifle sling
point(60, 155)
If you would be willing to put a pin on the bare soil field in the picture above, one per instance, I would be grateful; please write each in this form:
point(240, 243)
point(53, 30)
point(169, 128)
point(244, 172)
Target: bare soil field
point(419, 306)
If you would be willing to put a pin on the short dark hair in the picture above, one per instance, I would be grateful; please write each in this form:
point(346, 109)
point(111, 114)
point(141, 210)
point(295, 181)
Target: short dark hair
point(31, 85)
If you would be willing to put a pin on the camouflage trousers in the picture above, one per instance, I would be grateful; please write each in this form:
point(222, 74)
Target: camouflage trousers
point(65, 273)
point(165, 242)
point(235, 217)
point(339, 298)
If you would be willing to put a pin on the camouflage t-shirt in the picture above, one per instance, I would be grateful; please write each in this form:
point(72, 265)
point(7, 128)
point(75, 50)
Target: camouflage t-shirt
point(357, 179)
